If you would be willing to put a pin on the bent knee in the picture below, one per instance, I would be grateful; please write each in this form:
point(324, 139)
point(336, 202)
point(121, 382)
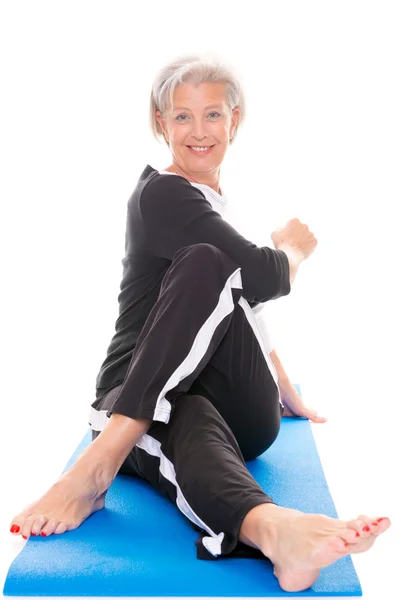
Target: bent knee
point(262, 436)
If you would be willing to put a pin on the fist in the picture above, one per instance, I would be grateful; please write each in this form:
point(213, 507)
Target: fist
point(297, 235)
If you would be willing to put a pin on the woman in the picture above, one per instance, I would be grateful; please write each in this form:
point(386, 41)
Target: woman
point(188, 390)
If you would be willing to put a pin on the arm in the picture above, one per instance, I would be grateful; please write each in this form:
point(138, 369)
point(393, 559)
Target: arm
point(295, 259)
point(283, 379)
point(291, 399)
point(177, 214)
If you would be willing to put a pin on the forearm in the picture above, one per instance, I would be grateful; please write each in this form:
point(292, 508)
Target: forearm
point(283, 378)
point(295, 259)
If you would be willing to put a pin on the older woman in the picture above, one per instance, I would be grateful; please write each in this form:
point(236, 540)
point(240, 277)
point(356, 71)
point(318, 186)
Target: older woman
point(189, 389)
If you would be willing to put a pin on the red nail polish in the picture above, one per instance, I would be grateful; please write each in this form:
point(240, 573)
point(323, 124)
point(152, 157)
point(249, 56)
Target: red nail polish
point(366, 528)
point(33, 533)
point(24, 536)
point(381, 519)
point(43, 534)
point(374, 523)
point(14, 529)
point(357, 534)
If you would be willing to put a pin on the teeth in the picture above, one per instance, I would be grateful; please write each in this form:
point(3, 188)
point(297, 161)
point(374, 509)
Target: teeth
point(200, 149)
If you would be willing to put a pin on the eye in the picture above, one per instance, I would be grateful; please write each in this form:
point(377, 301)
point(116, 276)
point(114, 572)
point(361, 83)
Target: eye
point(178, 117)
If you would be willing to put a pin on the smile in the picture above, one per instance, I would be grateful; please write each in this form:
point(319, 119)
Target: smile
point(198, 152)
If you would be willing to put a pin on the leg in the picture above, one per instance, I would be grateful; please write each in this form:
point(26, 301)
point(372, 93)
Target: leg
point(196, 462)
point(213, 350)
point(194, 310)
point(239, 383)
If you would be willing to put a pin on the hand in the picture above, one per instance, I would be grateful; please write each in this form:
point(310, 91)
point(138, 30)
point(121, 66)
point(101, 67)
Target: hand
point(297, 236)
point(294, 405)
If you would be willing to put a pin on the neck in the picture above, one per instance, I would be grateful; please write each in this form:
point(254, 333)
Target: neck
point(210, 179)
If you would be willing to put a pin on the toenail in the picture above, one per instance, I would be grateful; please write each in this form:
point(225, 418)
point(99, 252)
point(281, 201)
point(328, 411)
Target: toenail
point(366, 528)
point(379, 520)
point(14, 529)
point(43, 534)
point(374, 523)
point(357, 534)
point(33, 533)
point(24, 536)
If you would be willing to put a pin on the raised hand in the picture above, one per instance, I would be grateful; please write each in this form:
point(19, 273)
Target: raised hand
point(297, 236)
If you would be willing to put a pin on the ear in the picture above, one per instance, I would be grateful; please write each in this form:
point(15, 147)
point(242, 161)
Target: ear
point(162, 124)
point(234, 120)
point(159, 119)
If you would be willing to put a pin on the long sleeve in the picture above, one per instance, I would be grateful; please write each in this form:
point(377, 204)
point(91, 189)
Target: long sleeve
point(177, 214)
point(260, 310)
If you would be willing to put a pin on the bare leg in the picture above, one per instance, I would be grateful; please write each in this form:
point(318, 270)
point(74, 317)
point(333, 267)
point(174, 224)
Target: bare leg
point(82, 489)
point(300, 544)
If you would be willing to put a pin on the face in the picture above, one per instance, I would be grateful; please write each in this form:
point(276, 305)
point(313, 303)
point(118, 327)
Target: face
point(200, 116)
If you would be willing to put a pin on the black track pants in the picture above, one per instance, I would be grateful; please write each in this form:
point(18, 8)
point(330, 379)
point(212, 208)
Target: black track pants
point(201, 373)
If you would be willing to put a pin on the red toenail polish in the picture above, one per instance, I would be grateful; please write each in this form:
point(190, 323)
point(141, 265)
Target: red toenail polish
point(374, 523)
point(43, 534)
point(379, 520)
point(366, 528)
point(357, 534)
point(33, 534)
point(14, 529)
point(24, 536)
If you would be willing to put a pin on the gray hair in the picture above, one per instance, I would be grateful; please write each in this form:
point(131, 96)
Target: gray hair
point(196, 69)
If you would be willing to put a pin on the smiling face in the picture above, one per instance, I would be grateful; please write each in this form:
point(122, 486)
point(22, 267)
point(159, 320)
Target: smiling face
point(200, 117)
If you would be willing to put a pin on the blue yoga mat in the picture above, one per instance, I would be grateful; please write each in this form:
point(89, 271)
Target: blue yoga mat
point(141, 545)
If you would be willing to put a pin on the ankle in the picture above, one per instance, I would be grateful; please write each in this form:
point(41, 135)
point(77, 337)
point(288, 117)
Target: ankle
point(95, 467)
point(109, 450)
point(259, 527)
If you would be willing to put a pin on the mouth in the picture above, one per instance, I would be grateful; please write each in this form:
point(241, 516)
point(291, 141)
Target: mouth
point(200, 152)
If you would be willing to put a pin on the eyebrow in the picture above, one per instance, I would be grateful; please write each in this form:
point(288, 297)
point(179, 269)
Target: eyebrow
point(206, 108)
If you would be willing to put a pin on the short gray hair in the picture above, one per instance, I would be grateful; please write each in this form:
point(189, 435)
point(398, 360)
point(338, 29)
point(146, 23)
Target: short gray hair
point(196, 69)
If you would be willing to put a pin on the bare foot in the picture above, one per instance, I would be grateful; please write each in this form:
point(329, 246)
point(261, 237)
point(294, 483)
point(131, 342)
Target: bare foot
point(81, 491)
point(300, 544)
point(73, 498)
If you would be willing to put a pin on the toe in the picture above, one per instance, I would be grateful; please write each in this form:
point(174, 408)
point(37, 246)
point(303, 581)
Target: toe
point(38, 524)
point(61, 528)
point(27, 526)
point(367, 526)
point(351, 535)
point(16, 525)
point(373, 526)
point(340, 545)
point(357, 525)
point(49, 528)
point(18, 522)
point(383, 524)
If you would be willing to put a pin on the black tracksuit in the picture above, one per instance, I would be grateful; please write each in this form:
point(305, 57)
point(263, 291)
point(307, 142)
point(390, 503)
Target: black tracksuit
point(187, 354)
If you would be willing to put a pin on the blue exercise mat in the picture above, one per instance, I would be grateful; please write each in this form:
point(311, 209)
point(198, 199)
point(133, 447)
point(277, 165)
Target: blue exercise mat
point(140, 544)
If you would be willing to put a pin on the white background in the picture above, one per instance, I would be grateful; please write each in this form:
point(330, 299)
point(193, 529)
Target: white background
point(320, 142)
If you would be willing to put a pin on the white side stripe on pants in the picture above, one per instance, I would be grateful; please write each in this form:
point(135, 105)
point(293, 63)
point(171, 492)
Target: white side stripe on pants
point(162, 412)
point(253, 324)
point(153, 447)
point(200, 345)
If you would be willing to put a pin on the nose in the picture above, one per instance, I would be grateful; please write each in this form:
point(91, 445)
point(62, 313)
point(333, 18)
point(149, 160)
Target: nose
point(199, 129)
